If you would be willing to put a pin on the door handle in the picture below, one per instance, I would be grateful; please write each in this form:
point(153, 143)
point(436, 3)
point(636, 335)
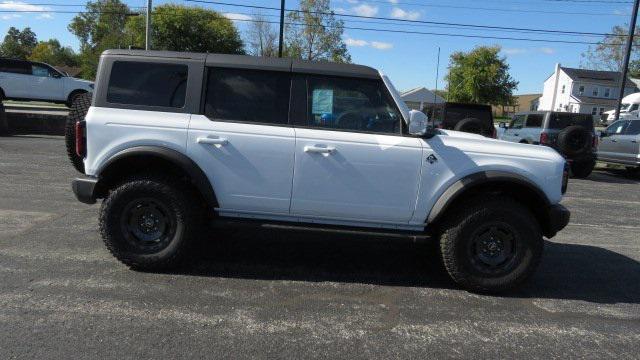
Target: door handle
point(212, 141)
point(516, 134)
point(319, 149)
point(634, 141)
point(614, 140)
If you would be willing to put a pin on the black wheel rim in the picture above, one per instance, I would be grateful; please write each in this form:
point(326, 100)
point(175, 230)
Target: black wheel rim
point(147, 225)
point(493, 249)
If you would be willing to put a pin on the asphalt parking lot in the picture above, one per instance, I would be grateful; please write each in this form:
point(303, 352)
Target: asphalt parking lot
point(269, 295)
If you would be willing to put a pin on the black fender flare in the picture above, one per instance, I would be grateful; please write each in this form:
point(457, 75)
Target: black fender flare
point(197, 176)
point(481, 178)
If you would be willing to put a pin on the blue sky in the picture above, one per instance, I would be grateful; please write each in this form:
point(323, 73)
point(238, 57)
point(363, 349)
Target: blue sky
point(409, 59)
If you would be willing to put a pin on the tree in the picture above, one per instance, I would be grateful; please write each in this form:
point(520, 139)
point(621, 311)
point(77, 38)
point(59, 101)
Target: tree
point(182, 28)
point(18, 44)
point(609, 53)
point(314, 33)
point(99, 28)
point(51, 52)
point(480, 76)
point(263, 39)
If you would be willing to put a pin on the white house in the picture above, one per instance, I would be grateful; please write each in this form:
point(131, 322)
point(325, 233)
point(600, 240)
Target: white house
point(582, 91)
point(418, 98)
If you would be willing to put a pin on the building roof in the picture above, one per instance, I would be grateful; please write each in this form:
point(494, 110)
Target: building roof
point(258, 63)
point(609, 77)
point(594, 100)
point(421, 94)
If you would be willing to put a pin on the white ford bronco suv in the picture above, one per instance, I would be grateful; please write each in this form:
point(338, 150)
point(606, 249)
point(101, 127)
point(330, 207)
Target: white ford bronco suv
point(175, 141)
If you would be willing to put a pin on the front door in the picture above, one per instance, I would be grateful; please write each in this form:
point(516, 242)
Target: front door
point(44, 85)
point(629, 143)
point(611, 146)
point(352, 162)
point(243, 141)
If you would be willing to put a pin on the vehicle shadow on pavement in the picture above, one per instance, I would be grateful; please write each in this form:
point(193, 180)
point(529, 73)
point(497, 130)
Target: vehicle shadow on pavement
point(567, 271)
point(612, 176)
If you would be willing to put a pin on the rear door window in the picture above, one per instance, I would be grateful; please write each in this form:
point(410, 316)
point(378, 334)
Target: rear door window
point(617, 128)
point(248, 96)
point(148, 84)
point(15, 66)
point(534, 120)
point(633, 128)
point(564, 120)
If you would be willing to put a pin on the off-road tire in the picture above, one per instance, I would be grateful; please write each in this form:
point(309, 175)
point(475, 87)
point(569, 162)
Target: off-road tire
point(181, 205)
point(582, 169)
point(474, 126)
point(575, 140)
point(77, 113)
point(457, 234)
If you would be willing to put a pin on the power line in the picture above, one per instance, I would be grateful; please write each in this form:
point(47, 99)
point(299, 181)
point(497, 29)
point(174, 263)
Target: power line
point(405, 20)
point(71, 12)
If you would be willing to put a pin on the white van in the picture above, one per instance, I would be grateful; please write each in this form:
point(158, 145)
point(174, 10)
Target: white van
point(27, 80)
point(628, 109)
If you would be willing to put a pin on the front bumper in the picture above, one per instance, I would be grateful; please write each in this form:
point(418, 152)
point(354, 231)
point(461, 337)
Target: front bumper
point(558, 217)
point(85, 189)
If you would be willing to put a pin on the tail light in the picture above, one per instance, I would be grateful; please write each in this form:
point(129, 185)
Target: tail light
point(544, 138)
point(565, 177)
point(81, 139)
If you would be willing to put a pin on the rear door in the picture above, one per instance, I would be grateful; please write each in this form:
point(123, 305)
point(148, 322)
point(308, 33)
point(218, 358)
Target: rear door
point(352, 162)
point(532, 128)
point(243, 142)
point(611, 146)
point(15, 78)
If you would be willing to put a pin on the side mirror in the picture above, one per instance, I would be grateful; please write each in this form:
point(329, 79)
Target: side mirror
point(502, 125)
point(417, 123)
point(56, 75)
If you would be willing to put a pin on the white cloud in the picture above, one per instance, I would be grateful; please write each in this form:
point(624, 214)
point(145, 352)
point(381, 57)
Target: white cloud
point(340, 10)
point(514, 51)
point(22, 6)
point(235, 16)
point(356, 42)
point(352, 1)
point(378, 45)
point(547, 50)
point(365, 10)
point(398, 13)
point(381, 45)
point(393, 1)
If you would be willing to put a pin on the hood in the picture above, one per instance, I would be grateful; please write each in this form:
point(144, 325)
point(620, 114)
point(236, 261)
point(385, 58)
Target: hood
point(81, 80)
point(461, 134)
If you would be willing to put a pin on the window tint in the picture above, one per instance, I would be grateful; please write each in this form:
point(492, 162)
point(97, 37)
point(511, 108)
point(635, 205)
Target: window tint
point(351, 104)
point(517, 122)
point(534, 120)
point(248, 95)
point(633, 128)
point(15, 66)
point(563, 120)
point(148, 84)
point(39, 70)
point(633, 107)
point(617, 127)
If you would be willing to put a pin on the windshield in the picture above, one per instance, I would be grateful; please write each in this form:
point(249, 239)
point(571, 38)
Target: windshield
point(624, 106)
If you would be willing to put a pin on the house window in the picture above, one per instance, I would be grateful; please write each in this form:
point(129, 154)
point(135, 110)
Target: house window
point(595, 91)
point(607, 92)
point(563, 87)
point(594, 111)
point(601, 111)
point(581, 90)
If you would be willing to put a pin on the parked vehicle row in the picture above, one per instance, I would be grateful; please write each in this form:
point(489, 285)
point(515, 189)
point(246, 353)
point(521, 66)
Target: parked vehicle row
point(172, 140)
point(35, 81)
point(620, 144)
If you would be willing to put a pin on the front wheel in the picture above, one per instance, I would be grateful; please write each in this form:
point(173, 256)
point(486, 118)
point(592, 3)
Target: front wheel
point(150, 223)
point(491, 244)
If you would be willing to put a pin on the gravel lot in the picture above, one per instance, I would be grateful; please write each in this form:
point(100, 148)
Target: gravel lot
point(269, 295)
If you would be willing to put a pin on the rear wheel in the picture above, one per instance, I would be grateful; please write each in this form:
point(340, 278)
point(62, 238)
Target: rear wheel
point(150, 223)
point(633, 171)
point(4, 125)
point(582, 169)
point(490, 244)
point(78, 111)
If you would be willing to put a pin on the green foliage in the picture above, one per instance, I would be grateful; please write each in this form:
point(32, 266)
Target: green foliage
point(18, 44)
point(315, 33)
point(51, 52)
point(99, 28)
point(609, 53)
point(480, 76)
point(182, 28)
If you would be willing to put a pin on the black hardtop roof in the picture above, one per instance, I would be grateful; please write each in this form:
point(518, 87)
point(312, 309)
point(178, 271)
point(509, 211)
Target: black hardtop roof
point(258, 63)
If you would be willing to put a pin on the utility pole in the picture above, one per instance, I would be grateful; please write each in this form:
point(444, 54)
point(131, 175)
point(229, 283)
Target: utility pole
point(280, 43)
point(147, 36)
point(435, 93)
point(627, 55)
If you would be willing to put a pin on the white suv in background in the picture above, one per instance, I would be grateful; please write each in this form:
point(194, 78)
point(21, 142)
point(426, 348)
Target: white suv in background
point(33, 81)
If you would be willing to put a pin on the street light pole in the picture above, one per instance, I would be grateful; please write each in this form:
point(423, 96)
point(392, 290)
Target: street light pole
point(627, 55)
point(280, 43)
point(147, 37)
